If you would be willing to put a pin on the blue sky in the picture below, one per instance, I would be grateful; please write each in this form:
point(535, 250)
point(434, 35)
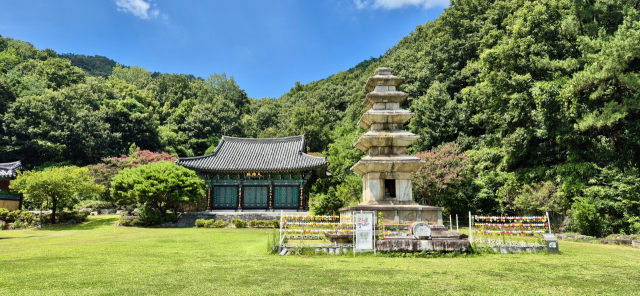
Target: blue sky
point(266, 45)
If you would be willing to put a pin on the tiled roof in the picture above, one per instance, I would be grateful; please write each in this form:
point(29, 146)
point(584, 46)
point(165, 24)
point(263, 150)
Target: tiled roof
point(244, 154)
point(8, 170)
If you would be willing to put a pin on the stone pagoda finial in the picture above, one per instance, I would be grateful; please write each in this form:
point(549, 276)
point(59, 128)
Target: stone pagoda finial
point(386, 169)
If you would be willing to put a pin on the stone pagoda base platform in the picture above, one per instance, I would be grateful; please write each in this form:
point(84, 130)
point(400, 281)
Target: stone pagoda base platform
point(414, 245)
point(399, 214)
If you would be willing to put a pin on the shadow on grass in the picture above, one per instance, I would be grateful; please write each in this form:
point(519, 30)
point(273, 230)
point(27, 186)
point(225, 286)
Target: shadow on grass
point(90, 225)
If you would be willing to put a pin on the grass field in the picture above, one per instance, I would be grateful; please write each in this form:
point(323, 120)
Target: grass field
point(96, 258)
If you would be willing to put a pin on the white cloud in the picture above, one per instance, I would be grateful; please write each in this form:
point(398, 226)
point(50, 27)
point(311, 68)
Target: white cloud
point(395, 4)
point(139, 8)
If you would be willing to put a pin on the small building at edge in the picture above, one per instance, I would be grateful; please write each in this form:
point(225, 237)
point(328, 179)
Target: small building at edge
point(246, 174)
point(10, 200)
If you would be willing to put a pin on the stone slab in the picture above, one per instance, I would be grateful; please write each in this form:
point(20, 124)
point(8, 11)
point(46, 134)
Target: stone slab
point(407, 245)
point(617, 241)
point(415, 207)
point(189, 219)
point(636, 243)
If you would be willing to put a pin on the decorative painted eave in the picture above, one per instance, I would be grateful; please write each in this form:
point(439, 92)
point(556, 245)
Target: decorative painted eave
point(8, 170)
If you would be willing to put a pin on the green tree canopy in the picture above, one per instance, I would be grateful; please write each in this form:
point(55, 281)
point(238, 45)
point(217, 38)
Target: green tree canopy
point(56, 186)
point(161, 185)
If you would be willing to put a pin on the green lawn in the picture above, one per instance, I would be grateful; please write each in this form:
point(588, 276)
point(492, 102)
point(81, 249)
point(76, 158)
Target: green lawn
point(98, 258)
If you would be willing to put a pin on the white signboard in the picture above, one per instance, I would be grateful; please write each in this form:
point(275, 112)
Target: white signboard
point(364, 231)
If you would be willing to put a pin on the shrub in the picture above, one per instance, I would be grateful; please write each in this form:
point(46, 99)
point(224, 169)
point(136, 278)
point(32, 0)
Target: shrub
point(585, 217)
point(253, 223)
point(79, 216)
point(137, 223)
point(220, 224)
point(275, 223)
point(3, 225)
point(125, 222)
point(200, 223)
point(149, 215)
point(18, 224)
point(94, 205)
point(26, 217)
point(272, 243)
point(12, 216)
point(209, 223)
point(4, 214)
point(239, 223)
point(171, 217)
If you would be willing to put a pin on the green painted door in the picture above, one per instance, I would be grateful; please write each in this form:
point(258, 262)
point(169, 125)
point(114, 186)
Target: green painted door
point(255, 197)
point(286, 197)
point(225, 197)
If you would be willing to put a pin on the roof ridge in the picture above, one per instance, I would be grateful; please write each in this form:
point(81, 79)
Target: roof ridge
point(263, 140)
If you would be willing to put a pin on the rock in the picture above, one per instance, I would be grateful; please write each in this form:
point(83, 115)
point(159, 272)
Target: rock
point(284, 251)
point(119, 212)
point(627, 237)
point(107, 211)
point(332, 251)
point(318, 249)
point(617, 241)
point(636, 243)
point(346, 250)
point(94, 214)
point(561, 235)
point(72, 222)
point(326, 250)
point(166, 224)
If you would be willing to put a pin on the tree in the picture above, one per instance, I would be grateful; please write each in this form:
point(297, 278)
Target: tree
point(436, 181)
point(161, 186)
point(56, 186)
point(104, 172)
point(326, 204)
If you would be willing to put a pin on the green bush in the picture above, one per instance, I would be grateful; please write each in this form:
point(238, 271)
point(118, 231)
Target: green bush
point(200, 223)
point(171, 217)
point(585, 218)
point(261, 223)
point(3, 225)
point(18, 224)
point(66, 215)
point(125, 222)
point(94, 205)
point(4, 214)
point(137, 223)
point(209, 223)
point(149, 215)
point(220, 224)
point(27, 217)
point(239, 223)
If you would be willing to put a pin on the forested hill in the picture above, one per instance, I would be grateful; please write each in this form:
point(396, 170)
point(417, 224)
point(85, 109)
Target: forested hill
point(541, 96)
point(96, 66)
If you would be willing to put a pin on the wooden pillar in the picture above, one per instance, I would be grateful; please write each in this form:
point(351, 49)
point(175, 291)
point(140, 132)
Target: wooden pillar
point(301, 199)
point(270, 197)
point(210, 203)
point(240, 198)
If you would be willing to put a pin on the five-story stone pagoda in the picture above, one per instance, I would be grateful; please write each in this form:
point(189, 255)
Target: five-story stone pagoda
point(387, 169)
